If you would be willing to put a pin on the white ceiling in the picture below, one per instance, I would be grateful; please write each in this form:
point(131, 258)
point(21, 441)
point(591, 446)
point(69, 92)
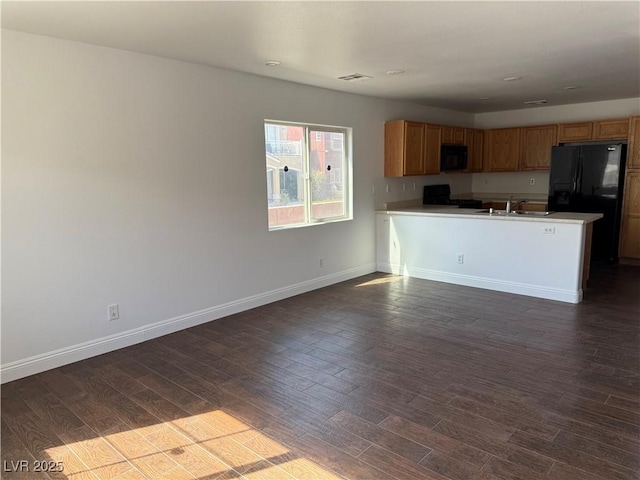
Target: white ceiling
point(453, 53)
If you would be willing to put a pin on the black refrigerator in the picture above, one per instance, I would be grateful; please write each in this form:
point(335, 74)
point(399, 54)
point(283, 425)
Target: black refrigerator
point(590, 178)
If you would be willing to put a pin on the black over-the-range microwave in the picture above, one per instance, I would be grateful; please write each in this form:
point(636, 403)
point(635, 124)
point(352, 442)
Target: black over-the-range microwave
point(453, 157)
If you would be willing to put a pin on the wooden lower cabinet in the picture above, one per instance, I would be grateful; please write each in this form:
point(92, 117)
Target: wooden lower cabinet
point(535, 207)
point(630, 230)
point(630, 241)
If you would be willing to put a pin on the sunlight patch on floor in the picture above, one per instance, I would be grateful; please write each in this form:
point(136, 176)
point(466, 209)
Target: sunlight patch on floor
point(380, 281)
point(202, 445)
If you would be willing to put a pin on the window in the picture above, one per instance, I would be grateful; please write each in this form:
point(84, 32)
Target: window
point(308, 174)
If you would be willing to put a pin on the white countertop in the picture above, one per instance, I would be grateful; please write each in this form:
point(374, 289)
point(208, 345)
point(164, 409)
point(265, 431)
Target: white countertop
point(455, 212)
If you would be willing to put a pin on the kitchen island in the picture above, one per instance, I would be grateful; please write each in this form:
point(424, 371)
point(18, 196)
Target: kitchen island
point(540, 256)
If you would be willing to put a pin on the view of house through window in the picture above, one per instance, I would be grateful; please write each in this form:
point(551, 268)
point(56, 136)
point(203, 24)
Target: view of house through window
point(307, 174)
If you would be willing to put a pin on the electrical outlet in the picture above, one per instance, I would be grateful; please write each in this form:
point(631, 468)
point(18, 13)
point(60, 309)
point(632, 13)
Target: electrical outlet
point(387, 188)
point(320, 262)
point(404, 187)
point(414, 186)
point(461, 258)
point(114, 312)
point(532, 181)
point(549, 230)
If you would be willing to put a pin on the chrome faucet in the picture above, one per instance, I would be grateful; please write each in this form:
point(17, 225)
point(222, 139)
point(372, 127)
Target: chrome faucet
point(521, 202)
point(510, 208)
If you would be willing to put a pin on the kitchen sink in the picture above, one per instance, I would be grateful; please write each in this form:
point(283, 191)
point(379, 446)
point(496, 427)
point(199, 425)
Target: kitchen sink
point(517, 212)
point(532, 213)
point(493, 212)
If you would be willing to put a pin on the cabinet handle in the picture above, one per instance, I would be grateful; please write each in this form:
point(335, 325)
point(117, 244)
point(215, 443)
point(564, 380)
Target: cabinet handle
point(286, 169)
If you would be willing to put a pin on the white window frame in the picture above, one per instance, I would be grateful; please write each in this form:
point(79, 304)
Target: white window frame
point(346, 172)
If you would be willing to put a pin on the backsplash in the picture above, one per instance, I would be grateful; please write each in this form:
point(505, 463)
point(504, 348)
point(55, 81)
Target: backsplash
point(511, 182)
point(400, 189)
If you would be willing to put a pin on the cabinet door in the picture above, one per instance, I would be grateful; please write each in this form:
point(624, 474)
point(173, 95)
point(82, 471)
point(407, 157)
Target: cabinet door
point(630, 231)
point(469, 135)
point(452, 135)
point(575, 132)
point(611, 129)
point(394, 148)
point(478, 151)
point(433, 140)
point(536, 147)
point(633, 151)
point(458, 136)
point(473, 140)
point(503, 150)
point(414, 148)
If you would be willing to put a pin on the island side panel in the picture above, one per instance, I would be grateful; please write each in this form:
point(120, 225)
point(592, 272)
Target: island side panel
point(540, 259)
point(586, 259)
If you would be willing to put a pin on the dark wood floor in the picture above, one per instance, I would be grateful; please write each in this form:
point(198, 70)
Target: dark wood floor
point(379, 377)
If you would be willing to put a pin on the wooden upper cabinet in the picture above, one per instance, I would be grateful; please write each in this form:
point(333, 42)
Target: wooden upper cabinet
point(633, 150)
point(600, 130)
point(575, 132)
point(611, 129)
point(536, 147)
point(474, 141)
point(404, 148)
point(452, 135)
point(630, 230)
point(414, 148)
point(433, 140)
point(502, 150)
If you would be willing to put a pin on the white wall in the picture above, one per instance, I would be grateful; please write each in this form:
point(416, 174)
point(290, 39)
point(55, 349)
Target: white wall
point(139, 180)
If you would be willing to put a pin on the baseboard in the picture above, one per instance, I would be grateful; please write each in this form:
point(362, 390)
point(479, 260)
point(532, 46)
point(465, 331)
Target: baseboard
point(46, 361)
point(629, 261)
point(568, 296)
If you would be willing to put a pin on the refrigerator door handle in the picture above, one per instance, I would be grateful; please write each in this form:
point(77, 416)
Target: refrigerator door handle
point(579, 175)
point(574, 180)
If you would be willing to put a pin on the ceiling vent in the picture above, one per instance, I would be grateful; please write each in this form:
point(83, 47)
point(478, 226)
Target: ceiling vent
point(354, 77)
point(536, 102)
